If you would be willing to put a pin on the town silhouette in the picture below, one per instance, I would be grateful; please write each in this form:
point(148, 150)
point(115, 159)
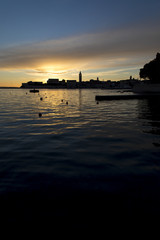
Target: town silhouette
point(150, 73)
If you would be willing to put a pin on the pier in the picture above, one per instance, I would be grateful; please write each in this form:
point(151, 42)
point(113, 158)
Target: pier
point(125, 97)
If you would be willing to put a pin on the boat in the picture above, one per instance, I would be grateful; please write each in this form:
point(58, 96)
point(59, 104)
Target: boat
point(148, 88)
point(34, 90)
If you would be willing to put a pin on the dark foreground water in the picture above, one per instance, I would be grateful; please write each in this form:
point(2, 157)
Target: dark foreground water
point(82, 165)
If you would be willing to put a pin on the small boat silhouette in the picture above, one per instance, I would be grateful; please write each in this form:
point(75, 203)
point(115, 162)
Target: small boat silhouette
point(34, 90)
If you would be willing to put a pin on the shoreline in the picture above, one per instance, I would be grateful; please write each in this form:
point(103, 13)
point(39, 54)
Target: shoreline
point(9, 87)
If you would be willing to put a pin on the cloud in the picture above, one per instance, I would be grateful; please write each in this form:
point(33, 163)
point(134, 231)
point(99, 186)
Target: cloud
point(116, 48)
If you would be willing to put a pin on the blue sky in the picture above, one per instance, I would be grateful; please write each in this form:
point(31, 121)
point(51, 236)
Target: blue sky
point(46, 38)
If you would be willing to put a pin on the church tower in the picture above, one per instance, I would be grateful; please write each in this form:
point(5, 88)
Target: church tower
point(80, 77)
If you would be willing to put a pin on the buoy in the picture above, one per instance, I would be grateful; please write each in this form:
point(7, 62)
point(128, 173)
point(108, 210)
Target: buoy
point(41, 98)
point(40, 114)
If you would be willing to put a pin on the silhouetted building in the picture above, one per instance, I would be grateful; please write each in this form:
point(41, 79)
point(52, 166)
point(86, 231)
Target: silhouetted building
point(71, 83)
point(31, 84)
point(53, 81)
point(80, 77)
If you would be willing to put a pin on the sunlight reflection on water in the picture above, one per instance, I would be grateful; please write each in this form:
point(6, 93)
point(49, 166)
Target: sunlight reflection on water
point(103, 146)
point(118, 122)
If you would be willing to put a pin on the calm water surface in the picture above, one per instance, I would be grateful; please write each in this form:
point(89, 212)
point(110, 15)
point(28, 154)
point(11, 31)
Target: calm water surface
point(80, 161)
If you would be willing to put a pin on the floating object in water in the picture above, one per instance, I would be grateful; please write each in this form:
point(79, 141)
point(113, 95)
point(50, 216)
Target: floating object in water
point(40, 114)
point(34, 90)
point(67, 102)
point(41, 98)
point(62, 100)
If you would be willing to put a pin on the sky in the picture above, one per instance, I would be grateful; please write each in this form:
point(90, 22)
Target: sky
point(109, 39)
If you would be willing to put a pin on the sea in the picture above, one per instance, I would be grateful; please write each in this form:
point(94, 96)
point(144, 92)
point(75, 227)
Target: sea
point(70, 162)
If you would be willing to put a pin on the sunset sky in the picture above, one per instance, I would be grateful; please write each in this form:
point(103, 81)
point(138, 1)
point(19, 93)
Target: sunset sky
point(109, 39)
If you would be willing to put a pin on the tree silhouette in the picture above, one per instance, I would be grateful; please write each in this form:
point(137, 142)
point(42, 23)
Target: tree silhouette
point(151, 70)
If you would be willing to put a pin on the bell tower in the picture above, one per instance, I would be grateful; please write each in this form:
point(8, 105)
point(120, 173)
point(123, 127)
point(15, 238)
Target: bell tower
point(80, 77)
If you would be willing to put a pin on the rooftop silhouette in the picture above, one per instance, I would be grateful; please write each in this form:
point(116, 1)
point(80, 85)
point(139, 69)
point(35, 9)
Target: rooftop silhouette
point(92, 83)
